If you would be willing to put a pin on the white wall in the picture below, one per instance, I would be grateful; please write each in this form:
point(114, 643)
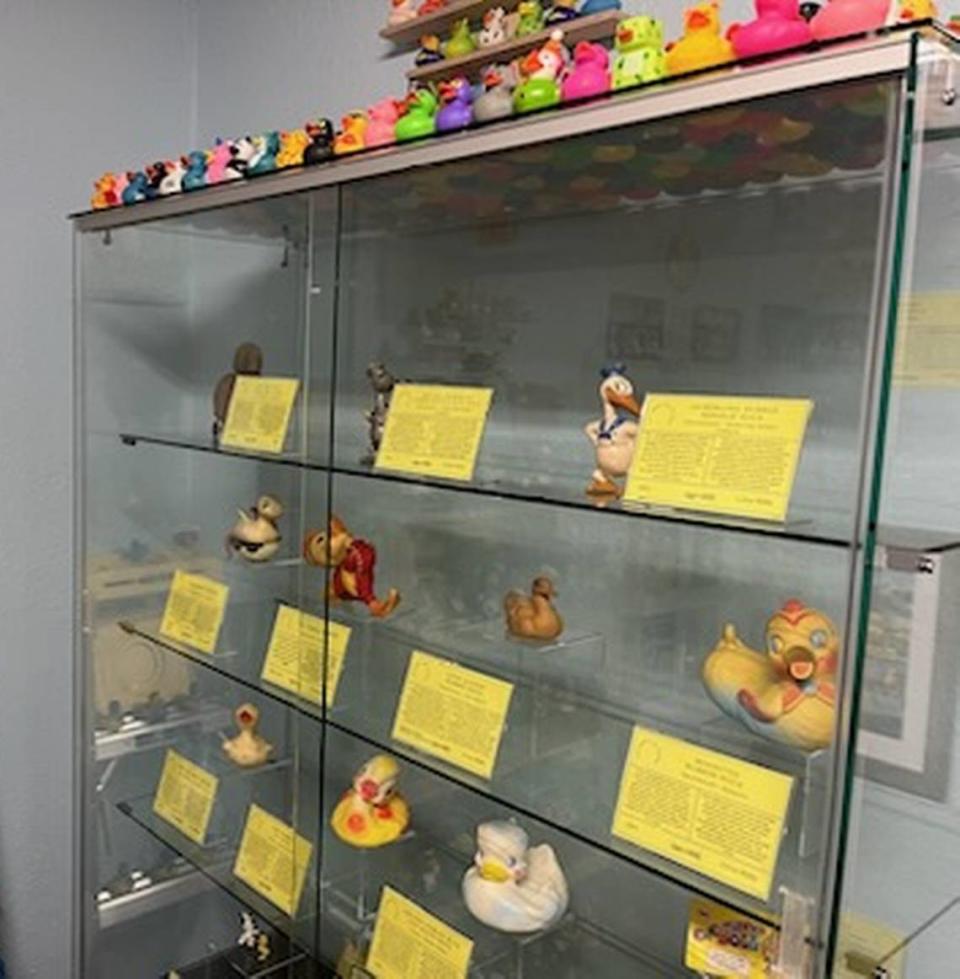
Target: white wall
point(85, 86)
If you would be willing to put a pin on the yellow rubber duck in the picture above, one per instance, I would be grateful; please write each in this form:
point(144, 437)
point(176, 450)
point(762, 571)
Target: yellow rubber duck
point(372, 813)
point(787, 694)
point(702, 44)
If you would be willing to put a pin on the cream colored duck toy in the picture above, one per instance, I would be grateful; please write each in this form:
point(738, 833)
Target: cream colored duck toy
point(512, 886)
point(614, 436)
point(248, 749)
point(372, 813)
point(255, 536)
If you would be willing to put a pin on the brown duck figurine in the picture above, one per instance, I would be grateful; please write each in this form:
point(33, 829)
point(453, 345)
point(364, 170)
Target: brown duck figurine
point(248, 749)
point(533, 616)
point(247, 361)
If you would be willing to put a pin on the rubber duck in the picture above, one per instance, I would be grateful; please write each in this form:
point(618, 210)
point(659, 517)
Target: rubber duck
point(293, 146)
point(430, 7)
point(352, 135)
point(533, 616)
point(614, 435)
point(788, 693)
point(461, 41)
point(512, 886)
point(195, 170)
point(320, 134)
point(248, 749)
point(353, 562)
point(496, 99)
point(264, 159)
point(372, 813)
point(456, 105)
point(419, 116)
point(561, 13)
point(540, 70)
point(105, 193)
point(155, 173)
point(430, 51)
point(912, 10)
point(778, 27)
point(401, 12)
point(242, 151)
point(382, 119)
point(172, 182)
point(247, 361)
point(589, 75)
point(531, 18)
point(218, 163)
point(136, 189)
point(702, 45)
point(843, 18)
point(639, 46)
point(255, 536)
point(599, 6)
point(494, 30)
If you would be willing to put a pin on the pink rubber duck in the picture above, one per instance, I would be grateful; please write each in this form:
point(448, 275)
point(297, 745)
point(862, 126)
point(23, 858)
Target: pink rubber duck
point(590, 74)
point(382, 123)
point(842, 18)
point(217, 160)
point(778, 27)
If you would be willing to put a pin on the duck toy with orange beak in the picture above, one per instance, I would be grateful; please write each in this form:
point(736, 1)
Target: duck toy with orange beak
point(702, 44)
point(372, 813)
point(248, 749)
point(352, 562)
point(788, 693)
point(614, 435)
point(541, 70)
point(456, 105)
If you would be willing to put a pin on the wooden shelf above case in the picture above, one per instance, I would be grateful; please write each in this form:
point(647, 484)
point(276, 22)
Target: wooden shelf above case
point(438, 23)
point(596, 27)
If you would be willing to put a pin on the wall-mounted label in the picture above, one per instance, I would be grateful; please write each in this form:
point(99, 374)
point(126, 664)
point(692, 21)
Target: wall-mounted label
point(185, 796)
point(722, 942)
point(434, 430)
point(259, 413)
point(452, 712)
point(194, 611)
point(296, 653)
point(736, 456)
point(717, 815)
point(928, 340)
point(410, 943)
point(273, 859)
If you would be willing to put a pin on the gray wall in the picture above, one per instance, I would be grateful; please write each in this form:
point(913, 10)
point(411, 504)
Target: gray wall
point(85, 86)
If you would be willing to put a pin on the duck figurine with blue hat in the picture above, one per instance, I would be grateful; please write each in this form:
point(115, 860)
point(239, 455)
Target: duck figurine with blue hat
point(614, 434)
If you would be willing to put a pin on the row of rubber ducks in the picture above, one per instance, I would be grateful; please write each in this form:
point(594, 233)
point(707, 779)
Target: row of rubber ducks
point(531, 15)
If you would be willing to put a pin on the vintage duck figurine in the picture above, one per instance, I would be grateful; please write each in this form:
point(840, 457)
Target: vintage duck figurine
point(320, 133)
point(562, 12)
point(778, 27)
point(264, 159)
point(843, 18)
point(461, 41)
point(639, 52)
point(136, 189)
point(456, 105)
point(702, 44)
point(352, 135)
point(293, 146)
point(512, 886)
point(382, 119)
point(248, 749)
point(372, 813)
point(419, 116)
point(590, 74)
point(533, 616)
point(353, 562)
point(247, 361)
point(531, 18)
point(614, 435)
point(382, 382)
point(431, 51)
point(401, 12)
point(496, 99)
point(255, 536)
point(541, 69)
point(788, 693)
point(194, 170)
point(494, 30)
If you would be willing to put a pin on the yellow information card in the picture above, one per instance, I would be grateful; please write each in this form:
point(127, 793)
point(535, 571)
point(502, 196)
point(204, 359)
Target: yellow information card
point(259, 413)
point(928, 340)
point(434, 430)
point(410, 943)
point(722, 942)
point(273, 859)
point(194, 611)
point(452, 712)
point(736, 456)
point(295, 655)
point(717, 815)
point(185, 796)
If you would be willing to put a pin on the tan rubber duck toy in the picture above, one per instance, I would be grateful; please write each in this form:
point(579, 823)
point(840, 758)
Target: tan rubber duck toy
point(533, 616)
point(248, 749)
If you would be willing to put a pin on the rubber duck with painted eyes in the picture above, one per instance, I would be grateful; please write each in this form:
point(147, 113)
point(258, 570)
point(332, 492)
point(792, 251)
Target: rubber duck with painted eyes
point(702, 44)
point(844, 18)
point(512, 886)
point(401, 12)
point(456, 105)
point(541, 70)
point(255, 536)
point(614, 434)
point(788, 693)
point(778, 27)
point(531, 18)
point(639, 47)
point(372, 813)
point(418, 117)
point(430, 51)
point(496, 99)
point(911, 10)
point(461, 40)
point(353, 134)
point(321, 136)
point(248, 749)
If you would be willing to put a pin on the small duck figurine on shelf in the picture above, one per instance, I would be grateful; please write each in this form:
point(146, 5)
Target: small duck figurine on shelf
point(702, 44)
point(136, 189)
point(353, 562)
point(496, 99)
point(778, 27)
point(456, 105)
point(614, 435)
point(264, 159)
point(533, 616)
point(599, 6)
point(844, 18)
point(242, 151)
point(255, 536)
point(247, 361)
point(195, 170)
point(372, 813)
point(541, 70)
point(218, 163)
point(788, 693)
point(512, 886)
point(172, 182)
point(105, 193)
point(352, 135)
point(401, 12)
point(461, 41)
point(590, 74)
point(293, 145)
point(639, 57)
point(531, 18)
point(248, 749)
point(562, 12)
point(419, 116)
point(155, 173)
point(494, 30)
point(430, 51)
point(320, 134)
point(430, 7)
point(382, 382)
point(382, 119)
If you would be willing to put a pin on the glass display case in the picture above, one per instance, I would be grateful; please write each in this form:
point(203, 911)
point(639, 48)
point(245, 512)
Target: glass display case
point(397, 720)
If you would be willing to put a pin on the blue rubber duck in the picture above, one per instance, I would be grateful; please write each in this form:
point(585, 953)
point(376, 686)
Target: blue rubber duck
point(137, 188)
point(195, 166)
point(599, 6)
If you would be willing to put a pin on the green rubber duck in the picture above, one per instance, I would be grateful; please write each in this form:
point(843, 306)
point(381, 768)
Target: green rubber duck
point(532, 18)
point(461, 40)
point(420, 116)
point(540, 71)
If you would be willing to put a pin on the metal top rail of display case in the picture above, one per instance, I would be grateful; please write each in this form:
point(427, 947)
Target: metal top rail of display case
point(890, 53)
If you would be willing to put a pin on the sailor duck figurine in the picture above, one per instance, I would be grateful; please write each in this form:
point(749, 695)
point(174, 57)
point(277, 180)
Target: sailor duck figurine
point(512, 886)
point(255, 536)
point(786, 694)
point(372, 813)
point(614, 436)
point(248, 749)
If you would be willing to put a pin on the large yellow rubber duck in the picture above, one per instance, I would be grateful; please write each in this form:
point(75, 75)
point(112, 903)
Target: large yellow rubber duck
point(787, 694)
point(702, 44)
point(372, 813)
